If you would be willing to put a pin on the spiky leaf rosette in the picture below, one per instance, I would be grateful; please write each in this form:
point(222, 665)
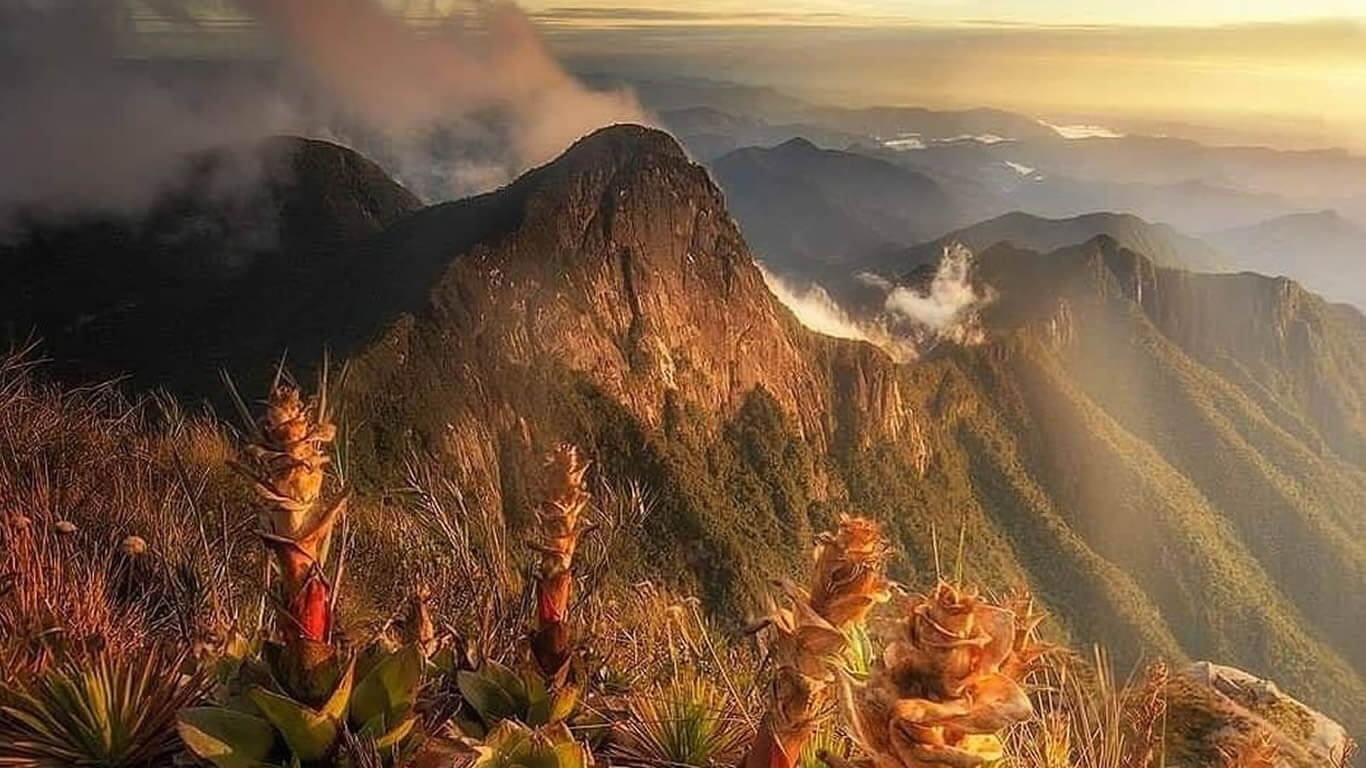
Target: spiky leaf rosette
point(287, 468)
point(939, 696)
point(809, 636)
point(1256, 750)
point(560, 521)
point(113, 709)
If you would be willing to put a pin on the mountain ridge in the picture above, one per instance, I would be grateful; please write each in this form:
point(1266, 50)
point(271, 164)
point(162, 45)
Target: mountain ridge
point(1162, 243)
point(1172, 461)
point(808, 209)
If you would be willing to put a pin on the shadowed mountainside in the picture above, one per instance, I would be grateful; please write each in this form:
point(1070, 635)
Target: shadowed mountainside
point(1173, 461)
point(806, 209)
point(205, 278)
point(1163, 244)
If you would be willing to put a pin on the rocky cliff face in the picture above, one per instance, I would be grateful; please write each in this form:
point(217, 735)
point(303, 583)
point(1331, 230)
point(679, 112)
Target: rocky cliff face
point(619, 262)
point(1166, 459)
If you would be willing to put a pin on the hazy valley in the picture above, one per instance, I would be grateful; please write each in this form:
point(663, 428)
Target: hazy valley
point(1124, 375)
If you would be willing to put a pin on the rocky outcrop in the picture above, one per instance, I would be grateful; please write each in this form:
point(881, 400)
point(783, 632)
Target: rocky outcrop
point(619, 261)
point(1220, 706)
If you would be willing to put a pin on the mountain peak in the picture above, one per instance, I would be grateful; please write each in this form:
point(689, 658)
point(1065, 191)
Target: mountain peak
point(619, 143)
point(797, 145)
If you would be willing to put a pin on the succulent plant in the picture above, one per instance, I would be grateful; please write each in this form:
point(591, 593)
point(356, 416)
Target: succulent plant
point(373, 696)
point(115, 709)
point(810, 636)
point(688, 723)
point(515, 745)
point(495, 693)
point(942, 691)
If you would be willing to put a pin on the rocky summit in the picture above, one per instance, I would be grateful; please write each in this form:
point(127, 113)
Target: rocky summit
point(1172, 462)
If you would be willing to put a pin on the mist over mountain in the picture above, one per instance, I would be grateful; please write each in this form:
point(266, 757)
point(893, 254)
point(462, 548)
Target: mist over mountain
point(1172, 461)
point(1163, 244)
point(200, 279)
point(1323, 250)
point(807, 210)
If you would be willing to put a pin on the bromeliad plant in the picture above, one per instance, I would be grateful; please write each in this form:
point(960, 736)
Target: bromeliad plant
point(560, 522)
point(811, 637)
point(270, 725)
point(947, 683)
point(297, 701)
point(287, 469)
point(543, 692)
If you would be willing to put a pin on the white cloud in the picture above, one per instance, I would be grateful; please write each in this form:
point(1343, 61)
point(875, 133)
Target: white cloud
point(1083, 131)
point(949, 305)
point(816, 310)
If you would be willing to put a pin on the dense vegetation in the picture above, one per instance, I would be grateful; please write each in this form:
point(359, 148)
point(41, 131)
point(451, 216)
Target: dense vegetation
point(140, 630)
point(1172, 463)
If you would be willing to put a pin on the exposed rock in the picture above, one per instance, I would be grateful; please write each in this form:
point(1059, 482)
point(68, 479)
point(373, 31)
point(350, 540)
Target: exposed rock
point(1219, 706)
point(619, 259)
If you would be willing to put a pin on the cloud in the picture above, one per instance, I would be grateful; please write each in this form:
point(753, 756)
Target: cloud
point(949, 304)
point(1083, 131)
point(85, 128)
point(874, 281)
point(816, 310)
point(409, 82)
point(910, 320)
point(453, 106)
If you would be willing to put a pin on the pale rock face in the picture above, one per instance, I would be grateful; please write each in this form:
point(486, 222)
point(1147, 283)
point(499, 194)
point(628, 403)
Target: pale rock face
point(1245, 701)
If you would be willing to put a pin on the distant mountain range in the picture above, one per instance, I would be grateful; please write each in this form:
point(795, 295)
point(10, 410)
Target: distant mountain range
point(807, 210)
point(1174, 462)
point(1323, 250)
point(993, 162)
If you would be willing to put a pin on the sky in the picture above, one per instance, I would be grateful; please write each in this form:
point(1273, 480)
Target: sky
point(1150, 12)
point(1263, 72)
point(1283, 72)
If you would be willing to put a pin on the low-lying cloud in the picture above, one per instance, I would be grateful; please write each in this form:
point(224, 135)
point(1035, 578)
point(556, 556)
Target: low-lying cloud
point(910, 319)
point(949, 305)
point(457, 106)
point(814, 307)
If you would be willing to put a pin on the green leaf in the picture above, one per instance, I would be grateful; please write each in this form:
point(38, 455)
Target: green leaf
point(566, 700)
point(444, 660)
point(310, 734)
point(538, 701)
point(507, 745)
point(225, 738)
point(490, 700)
point(337, 704)
point(396, 734)
point(509, 681)
point(570, 755)
point(390, 688)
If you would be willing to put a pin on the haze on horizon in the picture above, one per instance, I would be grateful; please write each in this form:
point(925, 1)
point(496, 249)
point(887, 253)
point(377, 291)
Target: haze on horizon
point(1272, 71)
point(1278, 72)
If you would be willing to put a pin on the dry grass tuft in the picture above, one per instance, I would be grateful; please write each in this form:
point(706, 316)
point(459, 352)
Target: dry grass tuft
point(111, 536)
